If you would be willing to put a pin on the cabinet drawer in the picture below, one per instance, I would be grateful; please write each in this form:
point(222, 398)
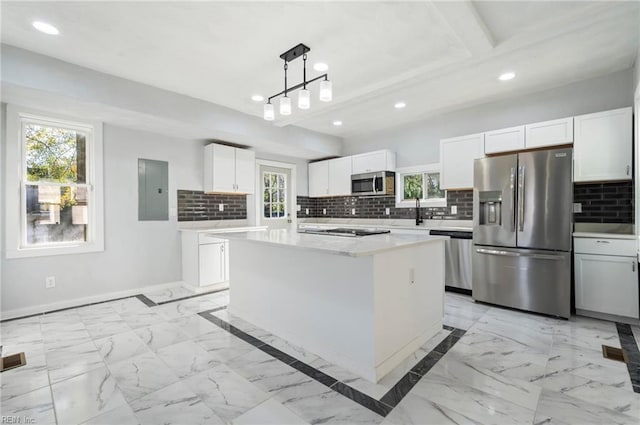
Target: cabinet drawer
point(602, 246)
point(204, 238)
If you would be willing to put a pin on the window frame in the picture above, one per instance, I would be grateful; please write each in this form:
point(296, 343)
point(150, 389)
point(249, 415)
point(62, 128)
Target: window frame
point(419, 169)
point(286, 200)
point(16, 184)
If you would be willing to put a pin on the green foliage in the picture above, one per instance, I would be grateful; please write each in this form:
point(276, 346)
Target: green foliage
point(51, 154)
point(412, 186)
point(433, 186)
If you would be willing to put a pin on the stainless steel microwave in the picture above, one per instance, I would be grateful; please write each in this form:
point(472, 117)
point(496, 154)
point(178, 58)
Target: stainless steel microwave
point(379, 183)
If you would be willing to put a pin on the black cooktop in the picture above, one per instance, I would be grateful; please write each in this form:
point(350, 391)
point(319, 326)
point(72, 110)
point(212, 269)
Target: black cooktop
point(340, 231)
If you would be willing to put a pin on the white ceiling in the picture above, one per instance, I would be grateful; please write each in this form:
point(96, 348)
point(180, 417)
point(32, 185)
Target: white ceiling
point(435, 56)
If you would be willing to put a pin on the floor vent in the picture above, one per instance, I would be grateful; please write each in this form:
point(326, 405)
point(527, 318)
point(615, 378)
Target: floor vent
point(613, 353)
point(12, 361)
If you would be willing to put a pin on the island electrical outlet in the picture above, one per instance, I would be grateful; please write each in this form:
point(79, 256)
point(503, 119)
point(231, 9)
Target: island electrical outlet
point(50, 282)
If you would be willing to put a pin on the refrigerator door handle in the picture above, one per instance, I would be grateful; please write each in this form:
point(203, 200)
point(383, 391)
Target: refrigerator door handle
point(502, 253)
point(521, 198)
point(512, 210)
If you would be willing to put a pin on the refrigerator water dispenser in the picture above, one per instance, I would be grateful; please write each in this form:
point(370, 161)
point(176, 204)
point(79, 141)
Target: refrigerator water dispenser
point(490, 208)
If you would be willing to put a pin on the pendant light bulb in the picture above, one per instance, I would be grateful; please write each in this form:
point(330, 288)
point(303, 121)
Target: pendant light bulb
point(326, 93)
point(304, 99)
point(285, 105)
point(269, 112)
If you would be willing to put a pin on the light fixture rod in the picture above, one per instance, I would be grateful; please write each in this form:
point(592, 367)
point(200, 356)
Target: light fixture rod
point(285, 78)
point(297, 86)
point(304, 71)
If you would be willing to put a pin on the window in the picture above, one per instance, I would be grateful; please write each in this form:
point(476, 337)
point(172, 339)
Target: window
point(422, 182)
point(274, 191)
point(56, 164)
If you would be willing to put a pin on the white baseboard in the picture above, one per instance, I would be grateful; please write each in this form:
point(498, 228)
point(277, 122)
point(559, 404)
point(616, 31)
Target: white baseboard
point(208, 288)
point(43, 308)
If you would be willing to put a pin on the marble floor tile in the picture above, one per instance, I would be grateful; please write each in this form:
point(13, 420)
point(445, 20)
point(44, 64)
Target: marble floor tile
point(587, 333)
point(223, 346)
point(24, 379)
point(414, 410)
point(128, 305)
point(95, 311)
point(141, 318)
point(16, 329)
point(141, 375)
point(33, 407)
point(228, 394)
point(558, 408)
point(106, 326)
point(266, 372)
point(195, 325)
point(621, 400)
point(220, 298)
point(269, 413)
point(168, 294)
point(291, 349)
point(175, 404)
point(86, 396)
point(316, 403)
point(122, 415)
point(354, 381)
point(120, 346)
point(161, 335)
point(30, 341)
point(59, 338)
point(242, 324)
point(184, 308)
point(466, 371)
point(467, 401)
point(186, 358)
point(72, 361)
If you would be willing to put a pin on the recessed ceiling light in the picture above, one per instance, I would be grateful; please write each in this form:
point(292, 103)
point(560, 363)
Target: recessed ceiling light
point(320, 66)
point(337, 123)
point(507, 76)
point(45, 28)
point(257, 98)
point(399, 105)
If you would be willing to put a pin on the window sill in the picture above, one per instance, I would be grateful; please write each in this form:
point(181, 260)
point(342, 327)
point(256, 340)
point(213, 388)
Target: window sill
point(70, 249)
point(423, 203)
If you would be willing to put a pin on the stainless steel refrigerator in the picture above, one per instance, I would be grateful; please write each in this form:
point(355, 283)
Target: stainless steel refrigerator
point(522, 216)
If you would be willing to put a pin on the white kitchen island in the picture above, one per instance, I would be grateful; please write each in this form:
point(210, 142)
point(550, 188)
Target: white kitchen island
point(363, 303)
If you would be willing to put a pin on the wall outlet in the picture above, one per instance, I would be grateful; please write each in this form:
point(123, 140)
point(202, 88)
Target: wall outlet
point(454, 209)
point(173, 212)
point(220, 207)
point(353, 211)
point(577, 207)
point(306, 211)
point(298, 207)
point(387, 211)
point(50, 282)
point(324, 211)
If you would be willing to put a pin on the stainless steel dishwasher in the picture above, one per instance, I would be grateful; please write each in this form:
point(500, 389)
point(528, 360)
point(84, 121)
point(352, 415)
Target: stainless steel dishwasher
point(458, 250)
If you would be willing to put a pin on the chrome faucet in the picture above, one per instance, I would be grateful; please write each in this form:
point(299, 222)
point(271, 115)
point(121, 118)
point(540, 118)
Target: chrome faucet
point(418, 218)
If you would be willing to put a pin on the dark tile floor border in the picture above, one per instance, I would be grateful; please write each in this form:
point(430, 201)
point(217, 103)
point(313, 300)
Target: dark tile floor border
point(629, 345)
point(382, 407)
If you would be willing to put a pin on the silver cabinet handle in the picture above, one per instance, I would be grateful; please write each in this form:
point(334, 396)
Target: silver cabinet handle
point(521, 198)
point(628, 169)
point(603, 242)
point(512, 211)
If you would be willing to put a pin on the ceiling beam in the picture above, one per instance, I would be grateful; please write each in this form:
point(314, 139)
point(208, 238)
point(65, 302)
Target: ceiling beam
point(466, 23)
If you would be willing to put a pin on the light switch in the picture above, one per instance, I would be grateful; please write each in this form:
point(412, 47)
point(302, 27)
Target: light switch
point(173, 212)
point(220, 207)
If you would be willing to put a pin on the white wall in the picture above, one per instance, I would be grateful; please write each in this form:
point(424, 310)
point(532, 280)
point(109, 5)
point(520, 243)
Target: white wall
point(137, 254)
point(419, 143)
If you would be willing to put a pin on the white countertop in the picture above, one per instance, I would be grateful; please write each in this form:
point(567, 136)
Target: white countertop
point(339, 245)
point(604, 235)
point(217, 226)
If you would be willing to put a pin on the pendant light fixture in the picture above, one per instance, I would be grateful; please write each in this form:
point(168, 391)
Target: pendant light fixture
point(304, 96)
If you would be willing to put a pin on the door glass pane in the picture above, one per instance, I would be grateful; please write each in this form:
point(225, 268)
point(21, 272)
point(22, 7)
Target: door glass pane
point(56, 214)
point(412, 186)
point(55, 154)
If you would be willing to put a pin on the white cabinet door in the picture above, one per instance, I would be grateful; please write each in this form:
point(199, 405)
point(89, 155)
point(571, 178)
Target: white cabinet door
point(504, 140)
point(603, 146)
point(549, 133)
point(245, 171)
point(607, 284)
point(340, 176)
point(319, 179)
point(212, 263)
point(223, 170)
point(456, 160)
point(373, 161)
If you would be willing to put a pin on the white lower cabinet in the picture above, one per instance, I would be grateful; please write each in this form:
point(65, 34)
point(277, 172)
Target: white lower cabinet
point(606, 283)
point(205, 259)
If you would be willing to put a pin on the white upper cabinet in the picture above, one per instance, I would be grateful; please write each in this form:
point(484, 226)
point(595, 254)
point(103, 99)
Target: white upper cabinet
point(228, 169)
point(504, 140)
point(456, 160)
point(319, 179)
point(549, 133)
point(603, 146)
point(383, 160)
point(340, 176)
